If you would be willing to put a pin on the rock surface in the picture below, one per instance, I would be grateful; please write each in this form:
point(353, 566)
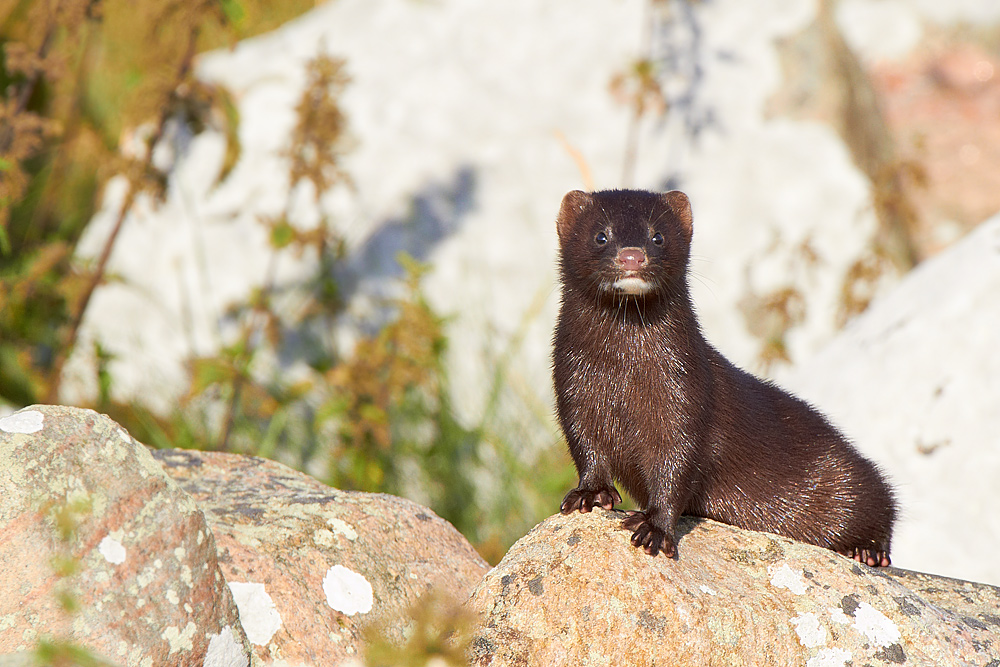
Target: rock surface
point(310, 570)
point(915, 381)
point(942, 103)
point(574, 591)
point(312, 567)
point(147, 583)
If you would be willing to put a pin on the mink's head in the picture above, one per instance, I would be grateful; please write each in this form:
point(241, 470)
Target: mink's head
point(618, 243)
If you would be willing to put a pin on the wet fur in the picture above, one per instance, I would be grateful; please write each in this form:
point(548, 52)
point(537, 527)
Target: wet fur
point(645, 400)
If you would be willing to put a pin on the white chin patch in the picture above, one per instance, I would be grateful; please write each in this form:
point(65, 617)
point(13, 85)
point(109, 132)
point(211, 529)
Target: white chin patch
point(632, 285)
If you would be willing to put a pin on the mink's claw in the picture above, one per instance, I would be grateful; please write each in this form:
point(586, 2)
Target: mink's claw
point(585, 500)
point(648, 537)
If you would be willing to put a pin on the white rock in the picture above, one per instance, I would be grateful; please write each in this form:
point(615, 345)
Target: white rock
point(915, 381)
point(879, 29)
point(959, 11)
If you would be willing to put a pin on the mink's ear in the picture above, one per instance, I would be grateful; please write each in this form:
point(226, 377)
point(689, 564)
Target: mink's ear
point(573, 204)
point(681, 206)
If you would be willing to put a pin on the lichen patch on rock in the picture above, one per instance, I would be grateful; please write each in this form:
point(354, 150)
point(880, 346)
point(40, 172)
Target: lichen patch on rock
point(875, 625)
point(258, 615)
point(783, 576)
point(225, 651)
point(809, 629)
point(112, 550)
point(25, 421)
point(180, 640)
point(347, 591)
point(830, 657)
point(342, 528)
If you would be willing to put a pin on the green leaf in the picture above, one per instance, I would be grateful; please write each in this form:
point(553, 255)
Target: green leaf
point(234, 12)
point(5, 248)
point(282, 234)
point(211, 371)
point(68, 601)
point(64, 566)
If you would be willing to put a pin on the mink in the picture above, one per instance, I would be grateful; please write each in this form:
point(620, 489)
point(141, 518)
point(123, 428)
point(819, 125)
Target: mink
point(645, 400)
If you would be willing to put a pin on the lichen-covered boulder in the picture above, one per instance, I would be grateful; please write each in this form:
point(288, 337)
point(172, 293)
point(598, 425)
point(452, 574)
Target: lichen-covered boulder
point(575, 592)
point(86, 514)
point(313, 567)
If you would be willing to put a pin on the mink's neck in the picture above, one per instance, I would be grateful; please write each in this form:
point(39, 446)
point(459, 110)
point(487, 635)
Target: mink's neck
point(666, 316)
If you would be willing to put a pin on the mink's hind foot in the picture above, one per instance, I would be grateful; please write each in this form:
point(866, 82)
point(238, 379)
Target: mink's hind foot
point(587, 499)
point(648, 537)
point(870, 557)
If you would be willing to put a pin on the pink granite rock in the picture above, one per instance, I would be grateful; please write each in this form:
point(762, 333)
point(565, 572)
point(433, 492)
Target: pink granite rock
point(313, 567)
point(147, 583)
point(574, 591)
point(942, 104)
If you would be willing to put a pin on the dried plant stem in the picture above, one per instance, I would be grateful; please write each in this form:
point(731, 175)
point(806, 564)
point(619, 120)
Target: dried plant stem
point(97, 277)
point(631, 148)
point(26, 90)
point(865, 130)
point(581, 163)
point(234, 402)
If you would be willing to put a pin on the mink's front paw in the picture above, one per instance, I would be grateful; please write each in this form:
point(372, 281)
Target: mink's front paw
point(648, 537)
point(587, 499)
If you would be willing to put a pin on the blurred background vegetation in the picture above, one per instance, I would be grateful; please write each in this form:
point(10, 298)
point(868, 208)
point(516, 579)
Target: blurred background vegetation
point(90, 87)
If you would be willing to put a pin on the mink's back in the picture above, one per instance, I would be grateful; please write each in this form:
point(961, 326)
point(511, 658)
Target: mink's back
point(808, 481)
point(645, 385)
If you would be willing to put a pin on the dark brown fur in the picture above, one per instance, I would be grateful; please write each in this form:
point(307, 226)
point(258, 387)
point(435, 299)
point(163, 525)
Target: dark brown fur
point(646, 401)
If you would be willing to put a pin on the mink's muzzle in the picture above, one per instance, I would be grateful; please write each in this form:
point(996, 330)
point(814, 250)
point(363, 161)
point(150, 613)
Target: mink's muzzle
point(630, 259)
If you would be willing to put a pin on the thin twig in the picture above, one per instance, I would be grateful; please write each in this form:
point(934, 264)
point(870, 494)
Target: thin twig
point(55, 377)
point(52, 395)
point(26, 91)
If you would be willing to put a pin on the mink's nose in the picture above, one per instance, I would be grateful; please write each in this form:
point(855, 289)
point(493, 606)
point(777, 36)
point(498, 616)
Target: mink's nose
point(631, 259)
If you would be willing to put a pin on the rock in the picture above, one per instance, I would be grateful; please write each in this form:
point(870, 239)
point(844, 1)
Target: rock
point(309, 568)
point(147, 583)
point(575, 592)
point(942, 103)
point(312, 567)
point(915, 381)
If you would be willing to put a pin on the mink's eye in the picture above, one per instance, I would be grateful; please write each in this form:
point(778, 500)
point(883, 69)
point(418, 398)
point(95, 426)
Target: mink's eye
point(657, 238)
point(601, 238)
